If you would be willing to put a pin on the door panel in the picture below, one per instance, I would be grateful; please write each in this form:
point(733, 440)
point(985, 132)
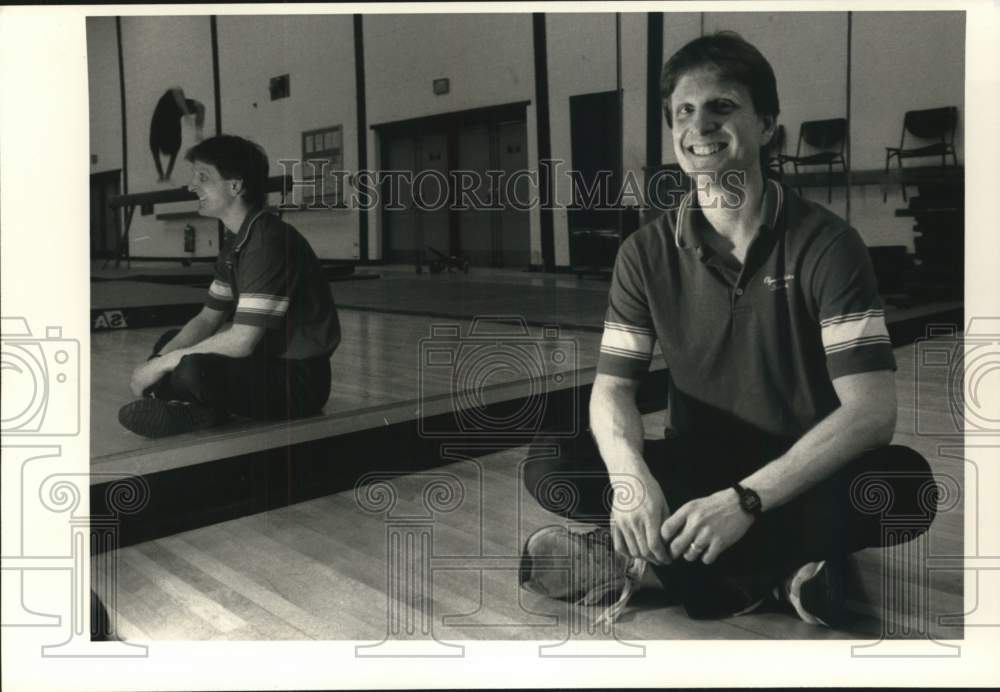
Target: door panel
point(594, 140)
point(400, 224)
point(498, 236)
point(491, 231)
point(104, 221)
point(514, 239)
point(432, 155)
point(476, 223)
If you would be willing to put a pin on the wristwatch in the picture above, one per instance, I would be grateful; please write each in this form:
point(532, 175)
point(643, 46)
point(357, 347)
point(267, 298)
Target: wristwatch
point(749, 500)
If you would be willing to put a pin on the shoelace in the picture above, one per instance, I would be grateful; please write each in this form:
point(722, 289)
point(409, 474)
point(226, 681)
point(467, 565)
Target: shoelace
point(633, 577)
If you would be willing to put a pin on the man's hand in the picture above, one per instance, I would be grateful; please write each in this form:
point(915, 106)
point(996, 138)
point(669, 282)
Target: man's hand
point(147, 374)
point(710, 524)
point(637, 512)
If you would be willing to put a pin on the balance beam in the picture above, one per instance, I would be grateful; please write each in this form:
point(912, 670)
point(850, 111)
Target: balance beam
point(277, 183)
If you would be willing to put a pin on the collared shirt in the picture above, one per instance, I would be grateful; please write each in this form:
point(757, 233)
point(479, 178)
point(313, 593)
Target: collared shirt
point(268, 274)
point(751, 347)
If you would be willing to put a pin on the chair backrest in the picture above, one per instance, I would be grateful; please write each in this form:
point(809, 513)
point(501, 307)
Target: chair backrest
point(932, 123)
point(826, 135)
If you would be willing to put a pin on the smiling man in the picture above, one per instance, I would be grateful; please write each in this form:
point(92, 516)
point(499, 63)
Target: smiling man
point(273, 361)
point(782, 404)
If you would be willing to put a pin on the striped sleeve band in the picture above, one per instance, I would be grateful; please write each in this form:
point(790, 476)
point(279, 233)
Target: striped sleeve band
point(220, 290)
point(627, 341)
point(262, 304)
point(625, 350)
point(854, 330)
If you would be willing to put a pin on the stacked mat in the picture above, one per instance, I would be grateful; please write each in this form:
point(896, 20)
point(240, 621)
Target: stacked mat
point(939, 240)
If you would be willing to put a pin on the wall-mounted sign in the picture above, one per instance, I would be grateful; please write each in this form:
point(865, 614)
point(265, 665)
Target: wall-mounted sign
point(323, 158)
point(280, 87)
point(441, 86)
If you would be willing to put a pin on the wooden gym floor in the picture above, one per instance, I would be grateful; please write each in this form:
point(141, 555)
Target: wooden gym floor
point(317, 569)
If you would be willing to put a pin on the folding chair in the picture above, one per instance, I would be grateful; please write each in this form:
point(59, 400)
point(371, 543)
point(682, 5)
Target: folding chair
point(930, 124)
point(826, 138)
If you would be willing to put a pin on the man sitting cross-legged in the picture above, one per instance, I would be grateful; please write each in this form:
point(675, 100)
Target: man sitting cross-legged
point(782, 401)
point(273, 362)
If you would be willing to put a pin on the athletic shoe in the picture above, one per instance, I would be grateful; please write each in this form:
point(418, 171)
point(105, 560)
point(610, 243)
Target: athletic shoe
point(816, 592)
point(157, 418)
point(579, 567)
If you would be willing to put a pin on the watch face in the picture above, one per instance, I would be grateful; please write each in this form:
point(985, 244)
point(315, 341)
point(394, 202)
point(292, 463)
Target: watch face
point(749, 500)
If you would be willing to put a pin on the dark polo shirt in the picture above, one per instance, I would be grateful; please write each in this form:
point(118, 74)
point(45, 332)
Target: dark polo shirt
point(752, 347)
point(269, 274)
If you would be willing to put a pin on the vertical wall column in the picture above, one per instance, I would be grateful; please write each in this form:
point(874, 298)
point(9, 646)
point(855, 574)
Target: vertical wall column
point(847, 135)
point(362, 127)
point(217, 93)
point(122, 246)
point(654, 108)
point(121, 86)
point(545, 189)
point(214, 27)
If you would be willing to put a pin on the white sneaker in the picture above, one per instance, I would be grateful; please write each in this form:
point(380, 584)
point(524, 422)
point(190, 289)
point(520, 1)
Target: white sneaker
point(816, 592)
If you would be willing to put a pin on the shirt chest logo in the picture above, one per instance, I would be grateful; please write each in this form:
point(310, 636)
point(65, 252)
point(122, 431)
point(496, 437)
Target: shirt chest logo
point(776, 283)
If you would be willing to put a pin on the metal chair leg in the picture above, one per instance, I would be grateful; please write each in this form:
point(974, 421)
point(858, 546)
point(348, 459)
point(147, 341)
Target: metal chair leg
point(902, 180)
point(885, 179)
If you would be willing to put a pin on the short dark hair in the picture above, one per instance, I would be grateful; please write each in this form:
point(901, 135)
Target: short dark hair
point(736, 59)
point(236, 159)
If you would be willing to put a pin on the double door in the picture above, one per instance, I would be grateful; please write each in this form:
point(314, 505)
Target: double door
point(481, 214)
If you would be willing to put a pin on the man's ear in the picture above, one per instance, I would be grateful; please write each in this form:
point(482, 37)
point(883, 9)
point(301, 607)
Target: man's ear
point(237, 187)
point(770, 125)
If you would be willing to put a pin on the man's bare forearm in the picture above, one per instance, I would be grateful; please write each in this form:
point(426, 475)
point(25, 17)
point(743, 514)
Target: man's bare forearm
point(862, 423)
point(197, 329)
point(638, 511)
point(237, 342)
point(617, 427)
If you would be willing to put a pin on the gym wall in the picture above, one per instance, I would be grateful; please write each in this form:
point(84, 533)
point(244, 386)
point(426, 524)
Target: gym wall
point(317, 52)
point(104, 95)
point(160, 53)
point(634, 46)
point(899, 61)
point(487, 58)
point(581, 60)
